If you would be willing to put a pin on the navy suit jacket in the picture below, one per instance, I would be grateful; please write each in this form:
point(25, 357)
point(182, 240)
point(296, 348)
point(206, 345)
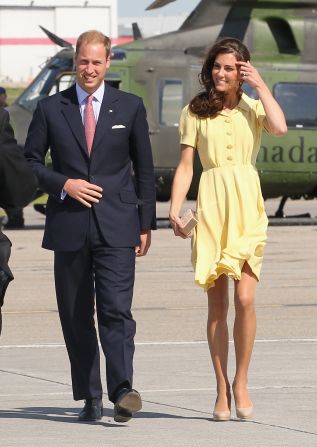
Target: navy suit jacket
point(128, 201)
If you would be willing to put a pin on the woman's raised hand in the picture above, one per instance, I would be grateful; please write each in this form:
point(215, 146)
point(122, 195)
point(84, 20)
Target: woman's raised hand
point(250, 74)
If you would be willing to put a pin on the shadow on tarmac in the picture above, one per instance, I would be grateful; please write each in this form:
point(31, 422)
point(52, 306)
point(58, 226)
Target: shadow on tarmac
point(54, 414)
point(69, 415)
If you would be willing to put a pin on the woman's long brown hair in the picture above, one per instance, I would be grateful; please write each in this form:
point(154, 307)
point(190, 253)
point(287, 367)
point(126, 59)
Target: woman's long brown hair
point(210, 102)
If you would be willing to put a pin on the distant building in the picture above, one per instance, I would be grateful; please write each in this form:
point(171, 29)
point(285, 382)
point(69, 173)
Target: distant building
point(151, 26)
point(23, 45)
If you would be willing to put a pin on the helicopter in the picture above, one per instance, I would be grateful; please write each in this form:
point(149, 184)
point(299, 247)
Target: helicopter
point(164, 71)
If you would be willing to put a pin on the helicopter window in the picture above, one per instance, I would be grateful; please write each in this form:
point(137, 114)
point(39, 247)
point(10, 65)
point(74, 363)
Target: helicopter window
point(62, 83)
point(283, 35)
point(170, 101)
point(298, 101)
point(113, 83)
point(36, 91)
point(250, 91)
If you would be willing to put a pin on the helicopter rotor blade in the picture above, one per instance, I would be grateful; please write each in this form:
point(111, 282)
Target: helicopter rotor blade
point(55, 39)
point(158, 4)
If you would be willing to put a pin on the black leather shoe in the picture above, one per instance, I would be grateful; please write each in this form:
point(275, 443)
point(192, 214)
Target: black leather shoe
point(92, 411)
point(128, 402)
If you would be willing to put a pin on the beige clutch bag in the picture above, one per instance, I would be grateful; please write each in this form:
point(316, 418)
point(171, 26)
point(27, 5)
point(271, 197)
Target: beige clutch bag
point(189, 221)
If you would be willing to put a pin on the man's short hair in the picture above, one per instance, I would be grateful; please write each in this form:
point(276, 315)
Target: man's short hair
point(2, 91)
point(93, 36)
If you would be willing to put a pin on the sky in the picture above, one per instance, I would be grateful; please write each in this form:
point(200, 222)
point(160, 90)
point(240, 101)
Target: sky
point(128, 8)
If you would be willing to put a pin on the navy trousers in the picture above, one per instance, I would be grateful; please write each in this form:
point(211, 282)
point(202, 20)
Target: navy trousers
point(107, 274)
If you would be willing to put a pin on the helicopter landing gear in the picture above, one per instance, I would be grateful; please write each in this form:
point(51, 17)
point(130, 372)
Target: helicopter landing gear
point(280, 211)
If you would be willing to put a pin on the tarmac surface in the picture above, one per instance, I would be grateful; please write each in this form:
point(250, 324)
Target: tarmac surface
point(173, 370)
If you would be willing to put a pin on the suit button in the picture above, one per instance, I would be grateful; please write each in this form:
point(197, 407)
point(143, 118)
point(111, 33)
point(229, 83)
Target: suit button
point(227, 121)
point(229, 158)
point(229, 146)
point(229, 133)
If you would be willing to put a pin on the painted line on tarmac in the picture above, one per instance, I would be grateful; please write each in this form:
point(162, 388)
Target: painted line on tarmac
point(173, 390)
point(28, 312)
point(254, 388)
point(204, 342)
point(64, 393)
point(187, 308)
point(165, 343)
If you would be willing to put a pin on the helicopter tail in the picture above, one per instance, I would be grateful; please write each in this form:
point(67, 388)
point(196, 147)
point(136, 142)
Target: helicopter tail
point(136, 31)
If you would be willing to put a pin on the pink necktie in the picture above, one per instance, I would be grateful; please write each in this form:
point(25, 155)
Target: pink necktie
point(89, 123)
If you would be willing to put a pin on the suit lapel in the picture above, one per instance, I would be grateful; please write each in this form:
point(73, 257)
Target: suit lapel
point(70, 109)
point(106, 115)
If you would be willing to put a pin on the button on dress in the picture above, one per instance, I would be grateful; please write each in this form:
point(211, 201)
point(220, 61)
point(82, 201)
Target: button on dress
point(232, 227)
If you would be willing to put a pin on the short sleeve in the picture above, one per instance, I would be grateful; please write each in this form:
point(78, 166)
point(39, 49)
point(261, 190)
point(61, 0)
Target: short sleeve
point(188, 128)
point(260, 113)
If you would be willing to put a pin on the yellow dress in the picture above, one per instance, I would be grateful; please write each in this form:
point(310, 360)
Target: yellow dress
point(232, 223)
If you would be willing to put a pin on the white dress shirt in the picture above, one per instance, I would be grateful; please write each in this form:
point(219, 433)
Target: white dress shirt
point(82, 96)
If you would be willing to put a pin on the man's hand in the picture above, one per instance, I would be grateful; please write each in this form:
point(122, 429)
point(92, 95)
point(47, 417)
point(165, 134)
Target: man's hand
point(142, 249)
point(83, 191)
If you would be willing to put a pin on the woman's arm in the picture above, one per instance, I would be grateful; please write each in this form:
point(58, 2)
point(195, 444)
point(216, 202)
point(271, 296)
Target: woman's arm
point(181, 184)
point(274, 121)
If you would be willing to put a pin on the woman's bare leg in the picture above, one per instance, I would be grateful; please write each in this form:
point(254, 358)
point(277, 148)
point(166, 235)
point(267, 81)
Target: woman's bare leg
point(244, 333)
point(218, 339)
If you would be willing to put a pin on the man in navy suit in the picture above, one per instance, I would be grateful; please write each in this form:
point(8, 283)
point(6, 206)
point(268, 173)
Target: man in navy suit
point(98, 219)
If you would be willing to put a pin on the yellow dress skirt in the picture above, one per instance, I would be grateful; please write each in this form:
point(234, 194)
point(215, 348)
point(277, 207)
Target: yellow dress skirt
point(232, 223)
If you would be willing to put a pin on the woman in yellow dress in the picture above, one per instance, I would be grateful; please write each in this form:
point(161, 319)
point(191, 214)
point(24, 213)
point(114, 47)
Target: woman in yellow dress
point(225, 126)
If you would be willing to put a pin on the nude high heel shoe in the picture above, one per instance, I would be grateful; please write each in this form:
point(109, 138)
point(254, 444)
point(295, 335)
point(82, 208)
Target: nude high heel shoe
point(221, 416)
point(244, 413)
